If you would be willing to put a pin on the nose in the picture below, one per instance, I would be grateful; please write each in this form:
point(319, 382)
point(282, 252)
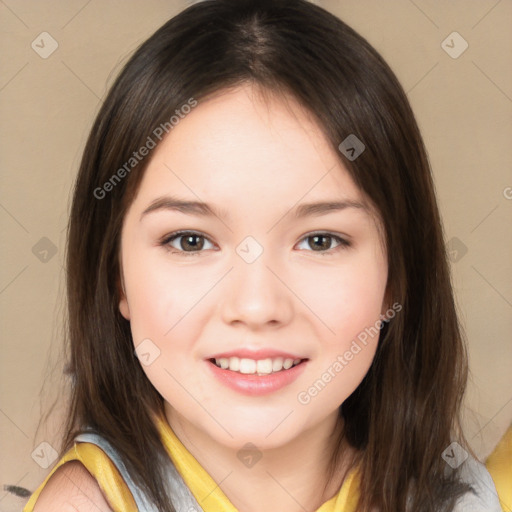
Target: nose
point(256, 294)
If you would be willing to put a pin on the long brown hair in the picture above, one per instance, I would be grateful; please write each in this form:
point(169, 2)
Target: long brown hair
point(405, 412)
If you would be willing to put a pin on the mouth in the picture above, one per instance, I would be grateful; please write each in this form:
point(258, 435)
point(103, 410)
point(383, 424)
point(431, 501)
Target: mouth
point(259, 367)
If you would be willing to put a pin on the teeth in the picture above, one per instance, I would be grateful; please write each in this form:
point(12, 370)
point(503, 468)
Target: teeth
point(277, 364)
point(251, 366)
point(288, 363)
point(247, 366)
point(264, 366)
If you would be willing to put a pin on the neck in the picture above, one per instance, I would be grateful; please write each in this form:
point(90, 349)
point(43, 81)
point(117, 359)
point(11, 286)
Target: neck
point(292, 477)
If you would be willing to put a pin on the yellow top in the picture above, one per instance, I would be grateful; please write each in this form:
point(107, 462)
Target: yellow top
point(499, 465)
point(195, 476)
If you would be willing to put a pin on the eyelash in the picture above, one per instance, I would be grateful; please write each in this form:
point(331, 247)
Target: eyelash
point(342, 243)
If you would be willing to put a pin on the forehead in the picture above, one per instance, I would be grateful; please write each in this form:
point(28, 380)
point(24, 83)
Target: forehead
point(239, 149)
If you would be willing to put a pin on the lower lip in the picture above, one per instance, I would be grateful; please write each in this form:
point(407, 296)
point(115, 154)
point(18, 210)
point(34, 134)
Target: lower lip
point(257, 385)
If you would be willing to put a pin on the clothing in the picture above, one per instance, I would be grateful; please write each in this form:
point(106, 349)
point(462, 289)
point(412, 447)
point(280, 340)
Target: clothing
point(499, 465)
point(193, 489)
point(200, 492)
point(486, 499)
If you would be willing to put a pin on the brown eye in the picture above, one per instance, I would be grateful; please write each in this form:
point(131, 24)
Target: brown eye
point(190, 242)
point(185, 242)
point(322, 242)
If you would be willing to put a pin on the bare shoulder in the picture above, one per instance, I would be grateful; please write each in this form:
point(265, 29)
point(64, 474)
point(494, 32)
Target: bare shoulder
point(72, 488)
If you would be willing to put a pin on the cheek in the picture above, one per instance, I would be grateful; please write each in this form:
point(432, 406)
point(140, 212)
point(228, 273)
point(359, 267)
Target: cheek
point(167, 306)
point(346, 299)
point(163, 302)
point(348, 302)
point(159, 295)
point(149, 300)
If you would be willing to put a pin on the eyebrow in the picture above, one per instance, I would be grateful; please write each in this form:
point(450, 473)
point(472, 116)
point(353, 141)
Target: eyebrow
point(185, 206)
point(199, 208)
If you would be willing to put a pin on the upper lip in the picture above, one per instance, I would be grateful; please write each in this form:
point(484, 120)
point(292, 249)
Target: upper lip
point(256, 354)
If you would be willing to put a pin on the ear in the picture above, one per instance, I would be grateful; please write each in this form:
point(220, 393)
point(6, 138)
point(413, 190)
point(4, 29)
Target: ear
point(123, 302)
point(386, 303)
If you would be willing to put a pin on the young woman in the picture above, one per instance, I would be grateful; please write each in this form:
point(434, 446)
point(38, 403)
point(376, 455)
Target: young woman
point(260, 308)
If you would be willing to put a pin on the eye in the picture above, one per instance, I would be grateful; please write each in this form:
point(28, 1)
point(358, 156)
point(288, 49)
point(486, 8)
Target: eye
point(191, 243)
point(321, 242)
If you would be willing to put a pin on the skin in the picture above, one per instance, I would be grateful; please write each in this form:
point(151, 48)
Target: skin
point(258, 161)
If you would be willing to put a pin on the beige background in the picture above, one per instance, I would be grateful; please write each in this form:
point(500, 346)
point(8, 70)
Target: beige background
point(463, 106)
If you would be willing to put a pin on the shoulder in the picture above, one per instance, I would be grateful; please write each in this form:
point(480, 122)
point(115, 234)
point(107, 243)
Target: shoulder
point(72, 488)
point(485, 498)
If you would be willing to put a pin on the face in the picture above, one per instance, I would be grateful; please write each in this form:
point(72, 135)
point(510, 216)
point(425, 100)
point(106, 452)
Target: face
point(261, 277)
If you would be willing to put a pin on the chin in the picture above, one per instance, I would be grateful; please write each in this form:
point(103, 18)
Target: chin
point(265, 435)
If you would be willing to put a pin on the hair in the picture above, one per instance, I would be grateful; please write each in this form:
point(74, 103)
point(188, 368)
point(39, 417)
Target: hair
point(406, 411)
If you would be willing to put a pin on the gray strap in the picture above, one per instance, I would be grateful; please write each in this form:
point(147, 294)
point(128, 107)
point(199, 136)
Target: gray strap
point(181, 496)
point(486, 499)
point(141, 501)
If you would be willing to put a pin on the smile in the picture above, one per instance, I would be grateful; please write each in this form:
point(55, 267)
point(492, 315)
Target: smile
point(242, 375)
point(252, 366)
